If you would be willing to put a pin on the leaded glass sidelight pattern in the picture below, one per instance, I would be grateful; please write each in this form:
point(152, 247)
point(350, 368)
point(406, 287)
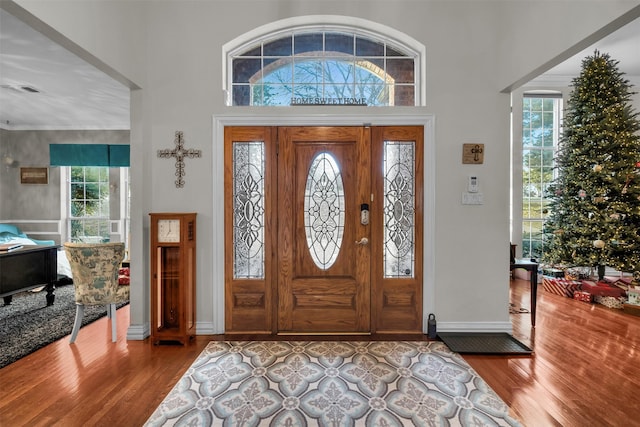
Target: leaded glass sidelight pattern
point(399, 209)
point(324, 210)
point(248, 210)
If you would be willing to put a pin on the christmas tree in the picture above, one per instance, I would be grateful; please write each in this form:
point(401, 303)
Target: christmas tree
point(594, 214)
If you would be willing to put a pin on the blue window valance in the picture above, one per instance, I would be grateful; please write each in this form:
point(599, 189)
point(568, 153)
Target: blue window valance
point(119, 156)
point(89, 155)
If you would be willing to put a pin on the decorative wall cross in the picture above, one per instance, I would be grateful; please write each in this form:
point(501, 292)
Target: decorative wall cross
point(179, 153)
point(476, 151)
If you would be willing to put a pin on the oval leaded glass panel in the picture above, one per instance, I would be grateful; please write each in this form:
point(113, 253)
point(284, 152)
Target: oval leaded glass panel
point(324, 210)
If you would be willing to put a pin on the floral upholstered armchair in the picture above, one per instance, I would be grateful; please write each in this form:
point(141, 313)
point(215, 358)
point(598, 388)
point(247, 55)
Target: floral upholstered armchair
point(95, 268)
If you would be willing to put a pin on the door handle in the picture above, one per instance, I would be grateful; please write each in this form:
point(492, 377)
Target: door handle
point(364, 241)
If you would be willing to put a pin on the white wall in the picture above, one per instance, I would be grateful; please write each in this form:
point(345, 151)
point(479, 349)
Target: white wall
point(475, 49)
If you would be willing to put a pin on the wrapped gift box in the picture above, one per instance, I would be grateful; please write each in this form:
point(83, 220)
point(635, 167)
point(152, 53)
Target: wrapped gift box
point(577, 273)
point(123, 276)
point(562, 287)
point(583, 296)
point(623, 282)
point(610, 302)
point(622, 279)
point(634, 296)
point(602, 289)
point(553, 272)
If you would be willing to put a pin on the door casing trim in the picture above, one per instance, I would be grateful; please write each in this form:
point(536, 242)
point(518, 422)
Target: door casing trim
point(303, 116)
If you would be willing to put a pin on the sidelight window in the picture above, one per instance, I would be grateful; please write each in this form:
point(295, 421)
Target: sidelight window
point(399, 209)
point(248, 209)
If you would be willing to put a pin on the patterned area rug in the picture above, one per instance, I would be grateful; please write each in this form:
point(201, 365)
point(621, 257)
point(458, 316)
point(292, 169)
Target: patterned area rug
point(28, 324)
point(330, 383)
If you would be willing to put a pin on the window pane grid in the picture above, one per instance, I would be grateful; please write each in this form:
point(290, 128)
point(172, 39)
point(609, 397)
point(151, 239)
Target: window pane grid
point(321, 68)
point(89, 204)
point(540, 131)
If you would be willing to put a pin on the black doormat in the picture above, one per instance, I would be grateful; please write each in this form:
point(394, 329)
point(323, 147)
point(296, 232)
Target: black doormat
point(483, 343)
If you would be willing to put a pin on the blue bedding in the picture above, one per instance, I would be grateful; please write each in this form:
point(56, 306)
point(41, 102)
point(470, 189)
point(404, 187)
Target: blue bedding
point(11, 234)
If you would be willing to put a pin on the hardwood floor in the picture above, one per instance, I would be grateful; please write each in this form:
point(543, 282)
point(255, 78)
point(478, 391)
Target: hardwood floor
point(585, 371)
point(586, 365)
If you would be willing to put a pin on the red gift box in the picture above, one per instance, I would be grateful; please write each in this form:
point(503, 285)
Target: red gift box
point(619, 282)
point(123, 276)
point(562, 287)
point(625, 280)
point(583, 296)
point(601, 289)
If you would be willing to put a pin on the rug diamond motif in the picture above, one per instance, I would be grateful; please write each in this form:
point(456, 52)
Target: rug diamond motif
point(330, 383)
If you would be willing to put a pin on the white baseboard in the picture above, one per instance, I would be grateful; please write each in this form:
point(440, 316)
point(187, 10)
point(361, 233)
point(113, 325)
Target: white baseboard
point(138, 332)
point(207, 328)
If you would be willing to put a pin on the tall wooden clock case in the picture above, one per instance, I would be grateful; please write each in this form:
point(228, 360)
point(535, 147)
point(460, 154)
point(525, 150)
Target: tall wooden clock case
point(173, 276)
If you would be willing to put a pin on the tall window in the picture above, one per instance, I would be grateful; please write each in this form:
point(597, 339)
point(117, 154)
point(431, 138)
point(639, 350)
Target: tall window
point(540, 133)
point(326, 66)
point(89, 204)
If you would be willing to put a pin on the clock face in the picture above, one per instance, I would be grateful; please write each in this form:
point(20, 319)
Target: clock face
point(168, 230)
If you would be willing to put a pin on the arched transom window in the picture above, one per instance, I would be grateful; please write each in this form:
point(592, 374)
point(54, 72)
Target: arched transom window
point(323, 65)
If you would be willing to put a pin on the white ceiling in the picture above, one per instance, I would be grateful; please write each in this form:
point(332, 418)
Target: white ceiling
point(622, 45)
point(73, 94)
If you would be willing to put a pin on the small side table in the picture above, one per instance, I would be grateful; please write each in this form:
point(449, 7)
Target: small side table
point(531, 267)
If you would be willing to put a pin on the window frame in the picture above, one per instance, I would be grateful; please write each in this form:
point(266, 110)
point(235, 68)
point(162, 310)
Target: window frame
point(98, 218)
point(326, 23)
point(529, 251)
point(119, 220)
point(517, 186)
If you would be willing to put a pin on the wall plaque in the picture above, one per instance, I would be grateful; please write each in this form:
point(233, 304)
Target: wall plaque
point(473, 154)
point(34, 175)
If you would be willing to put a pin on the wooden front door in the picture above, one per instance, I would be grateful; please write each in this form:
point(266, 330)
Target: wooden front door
point(324, 268)
point(298, 258)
